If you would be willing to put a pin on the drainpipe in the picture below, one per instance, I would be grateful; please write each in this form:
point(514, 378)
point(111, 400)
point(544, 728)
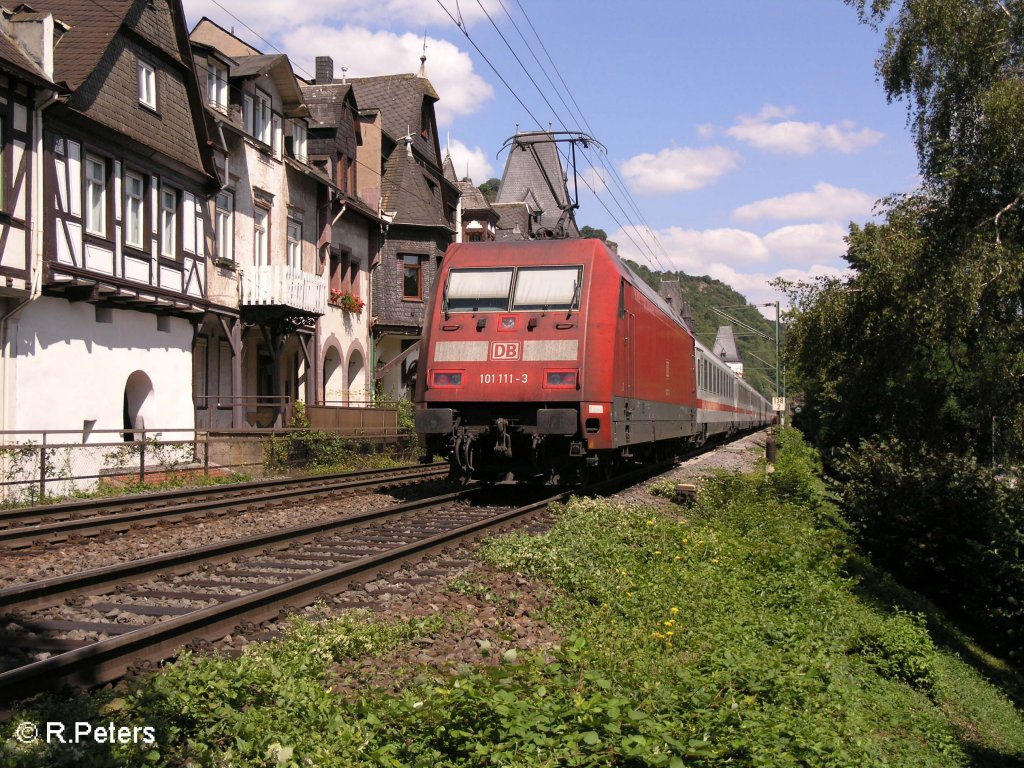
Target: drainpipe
point(35, 249)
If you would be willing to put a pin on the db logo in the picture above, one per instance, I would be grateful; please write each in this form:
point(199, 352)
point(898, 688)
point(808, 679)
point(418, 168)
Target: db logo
point(504, 350)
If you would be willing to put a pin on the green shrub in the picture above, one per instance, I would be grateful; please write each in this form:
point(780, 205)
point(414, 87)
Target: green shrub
point(900, 648)
point(946, 527)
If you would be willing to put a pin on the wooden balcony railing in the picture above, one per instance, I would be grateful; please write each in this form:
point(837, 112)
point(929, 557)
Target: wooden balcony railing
point(278, 285)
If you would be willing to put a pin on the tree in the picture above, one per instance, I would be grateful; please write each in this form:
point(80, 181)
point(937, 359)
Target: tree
point(928, 335)
point(490, 189)
point(588, 231)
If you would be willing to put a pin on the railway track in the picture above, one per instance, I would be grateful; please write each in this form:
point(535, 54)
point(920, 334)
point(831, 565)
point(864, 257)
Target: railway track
point(52, 523)
point(99, 623)
point(89, 628)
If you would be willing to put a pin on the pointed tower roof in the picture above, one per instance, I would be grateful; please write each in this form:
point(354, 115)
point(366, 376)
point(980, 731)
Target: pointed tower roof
point(725, 346)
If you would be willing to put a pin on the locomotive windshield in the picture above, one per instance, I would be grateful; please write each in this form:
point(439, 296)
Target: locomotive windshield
point(547, 288)
point(478, 290)
point(536, 289)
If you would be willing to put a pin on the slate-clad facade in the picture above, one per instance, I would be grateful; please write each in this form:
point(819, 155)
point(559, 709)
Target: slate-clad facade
point(420, 204)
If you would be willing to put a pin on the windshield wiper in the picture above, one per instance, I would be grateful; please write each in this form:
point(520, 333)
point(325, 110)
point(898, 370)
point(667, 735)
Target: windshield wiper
point(444, 302)
point(576, 285)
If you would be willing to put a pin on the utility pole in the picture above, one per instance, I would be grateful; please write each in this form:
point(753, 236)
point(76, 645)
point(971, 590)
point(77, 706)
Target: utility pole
point(777, 391)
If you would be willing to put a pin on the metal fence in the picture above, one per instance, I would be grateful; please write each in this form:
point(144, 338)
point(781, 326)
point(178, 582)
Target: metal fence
point(45, 465)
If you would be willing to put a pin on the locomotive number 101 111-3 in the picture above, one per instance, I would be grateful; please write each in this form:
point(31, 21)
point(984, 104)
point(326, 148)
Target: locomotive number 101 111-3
point(503, 378)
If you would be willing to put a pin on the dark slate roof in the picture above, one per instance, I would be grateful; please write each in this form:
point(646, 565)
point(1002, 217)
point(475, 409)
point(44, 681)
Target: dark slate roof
point(277, 66)
point(672, 293)
point(449, 170)
point(406, 192)
point(399, 98)
point(90, 32)
point(540, 174)
point(725, 346)
point(326, 103)
point(511, 217)
point(472, 198)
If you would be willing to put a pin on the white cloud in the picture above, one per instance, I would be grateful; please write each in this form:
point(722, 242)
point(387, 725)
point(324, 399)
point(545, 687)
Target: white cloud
point(807, 243)
point(270, 17)
point(476, 159)
point(706, 131)
point(792, 137)
point(367, 53)
point(678, 169)
point(825, 202)
point(742, 259)
point(332, 28)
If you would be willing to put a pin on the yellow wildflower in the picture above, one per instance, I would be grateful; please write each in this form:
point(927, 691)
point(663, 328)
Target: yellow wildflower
point(669, 623)
point(674, 609)
point(657, 551)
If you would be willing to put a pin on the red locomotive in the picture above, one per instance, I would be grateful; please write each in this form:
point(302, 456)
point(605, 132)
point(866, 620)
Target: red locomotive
point(552, 361)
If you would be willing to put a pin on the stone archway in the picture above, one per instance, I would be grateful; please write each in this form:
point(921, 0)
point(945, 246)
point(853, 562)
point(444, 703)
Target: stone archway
point(334, 377)
point(138, 391)
point(355, 381)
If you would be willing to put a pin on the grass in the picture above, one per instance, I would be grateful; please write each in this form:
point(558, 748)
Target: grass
point(730, 633)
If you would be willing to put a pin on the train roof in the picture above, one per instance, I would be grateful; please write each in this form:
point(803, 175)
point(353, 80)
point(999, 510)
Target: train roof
point(539, 252)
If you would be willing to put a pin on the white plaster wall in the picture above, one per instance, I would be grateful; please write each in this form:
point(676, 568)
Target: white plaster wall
point(69, 369)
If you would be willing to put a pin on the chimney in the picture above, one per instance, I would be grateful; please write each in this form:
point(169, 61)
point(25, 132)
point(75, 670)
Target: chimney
point(324, 69)
point(34, 34)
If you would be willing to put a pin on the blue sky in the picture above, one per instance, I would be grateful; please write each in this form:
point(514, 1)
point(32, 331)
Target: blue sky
point(748, 134)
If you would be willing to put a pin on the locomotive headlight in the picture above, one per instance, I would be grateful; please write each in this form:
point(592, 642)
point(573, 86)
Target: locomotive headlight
point(561, 379)
point(446, 379)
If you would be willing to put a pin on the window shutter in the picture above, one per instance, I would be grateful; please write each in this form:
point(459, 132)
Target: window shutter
point(276, 121)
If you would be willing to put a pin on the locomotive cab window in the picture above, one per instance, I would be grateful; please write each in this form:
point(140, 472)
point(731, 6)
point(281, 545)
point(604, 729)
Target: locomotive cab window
point(547, 288)
point(478, 290)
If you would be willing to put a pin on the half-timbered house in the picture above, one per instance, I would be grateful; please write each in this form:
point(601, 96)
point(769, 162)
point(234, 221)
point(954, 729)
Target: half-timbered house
point(26, 86)
point(124, 229)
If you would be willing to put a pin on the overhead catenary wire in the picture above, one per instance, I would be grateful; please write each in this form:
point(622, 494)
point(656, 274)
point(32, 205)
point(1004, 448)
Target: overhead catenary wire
point(641, 246)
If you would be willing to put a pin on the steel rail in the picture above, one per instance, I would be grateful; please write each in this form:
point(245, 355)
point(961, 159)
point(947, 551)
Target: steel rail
point(67, 509)
point(107, 660)
point(46, 592)
point(279, 491)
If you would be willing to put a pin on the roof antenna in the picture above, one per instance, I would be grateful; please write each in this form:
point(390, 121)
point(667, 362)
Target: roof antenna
point(423, 57)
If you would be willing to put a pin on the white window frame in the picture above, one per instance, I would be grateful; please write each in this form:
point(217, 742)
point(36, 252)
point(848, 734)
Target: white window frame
point(217, 85)
point(95, 187)
point(262, 121)
point(299, 140)
point(134, 210)
point(224, 222)
point(169, 222)
point(277, 136)
point(247, 112)
point(261, 236)
point(147, 84)
point(294, 243)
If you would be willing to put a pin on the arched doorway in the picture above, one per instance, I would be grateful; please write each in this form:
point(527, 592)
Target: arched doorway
point(334, 378)
point(137, 392)
point(356, 387)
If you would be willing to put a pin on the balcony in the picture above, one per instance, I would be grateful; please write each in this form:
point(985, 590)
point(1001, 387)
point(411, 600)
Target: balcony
point(289, 290)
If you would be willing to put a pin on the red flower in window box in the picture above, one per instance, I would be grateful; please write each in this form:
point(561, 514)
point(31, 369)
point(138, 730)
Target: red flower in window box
point(348, 302)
